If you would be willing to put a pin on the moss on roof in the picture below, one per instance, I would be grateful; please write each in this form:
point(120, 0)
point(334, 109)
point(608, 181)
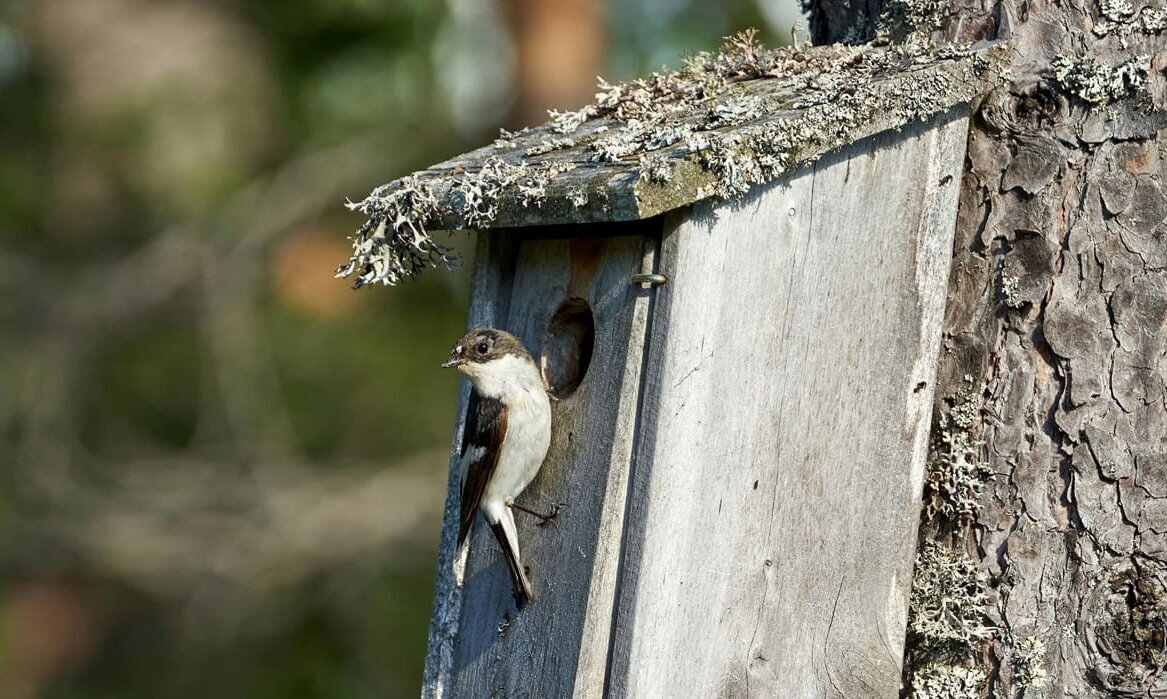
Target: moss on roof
point(719, 125)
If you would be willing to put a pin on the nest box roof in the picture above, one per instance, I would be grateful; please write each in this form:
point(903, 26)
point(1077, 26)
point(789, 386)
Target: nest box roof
point(722, 123)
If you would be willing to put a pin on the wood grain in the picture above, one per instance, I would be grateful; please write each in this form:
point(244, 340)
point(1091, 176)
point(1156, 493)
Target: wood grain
point(489, 301)
point(480, 645)
point(777, 482)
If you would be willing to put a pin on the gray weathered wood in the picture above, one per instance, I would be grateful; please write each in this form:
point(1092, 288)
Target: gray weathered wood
point(777, 478)
point(722, 124)
point(489, 300)
point(799, 105)
point(479, 644)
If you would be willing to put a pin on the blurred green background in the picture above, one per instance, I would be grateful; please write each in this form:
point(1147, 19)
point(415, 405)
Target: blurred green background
point(222, 471)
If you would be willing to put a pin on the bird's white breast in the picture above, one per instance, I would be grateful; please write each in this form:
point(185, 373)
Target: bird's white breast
point(516, 382)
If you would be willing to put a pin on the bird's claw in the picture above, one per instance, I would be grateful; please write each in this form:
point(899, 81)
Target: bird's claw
point(549, 518)
point(544, 519)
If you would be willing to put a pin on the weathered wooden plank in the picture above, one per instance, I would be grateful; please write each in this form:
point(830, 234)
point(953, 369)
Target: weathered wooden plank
point(719, 126)
point(558, 644)
point(804, 122)
point(776, 484)
point(489, 300)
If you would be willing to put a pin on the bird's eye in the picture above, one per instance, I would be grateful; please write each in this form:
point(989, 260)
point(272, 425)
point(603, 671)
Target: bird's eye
point(482, 348)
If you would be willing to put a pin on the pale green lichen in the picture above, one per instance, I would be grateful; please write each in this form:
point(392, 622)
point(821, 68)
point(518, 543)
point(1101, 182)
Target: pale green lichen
point(732, 112)
point(549, 145)
point(1028, 663)
point(1153, 20)
point(506, 139)
point(665, 135)
point(946, 611)
point(475, 195)
point(727, 121)
point(947, 626)
point(956, 475)
point(1010, 288)
point(735, 174)
point(1116, 10)
point(614, 149)
point(394, 245)
point(578, 196)
point(533, 189)
point(567, 122)
point(655, 112)
point(945, 681)
point(1096, 83)
point(655, 168)
point(947, 621)
point(1120, 18)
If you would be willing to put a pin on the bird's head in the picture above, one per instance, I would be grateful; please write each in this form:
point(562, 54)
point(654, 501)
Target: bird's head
point(481, 347)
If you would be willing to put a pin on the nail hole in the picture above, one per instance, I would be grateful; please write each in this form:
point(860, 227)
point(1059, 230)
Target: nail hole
point(567, 347)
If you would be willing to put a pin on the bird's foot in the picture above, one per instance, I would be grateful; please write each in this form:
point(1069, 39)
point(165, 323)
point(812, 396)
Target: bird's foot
point(544, 519)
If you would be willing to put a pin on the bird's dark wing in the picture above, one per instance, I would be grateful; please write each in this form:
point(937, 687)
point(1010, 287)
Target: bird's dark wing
point(486, 426)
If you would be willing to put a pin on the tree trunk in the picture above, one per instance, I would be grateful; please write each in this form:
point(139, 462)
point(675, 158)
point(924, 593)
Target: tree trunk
point(559, 51)
point(1049, 464)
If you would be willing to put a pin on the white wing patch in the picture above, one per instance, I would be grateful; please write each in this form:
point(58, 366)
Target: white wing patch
point(473, 454)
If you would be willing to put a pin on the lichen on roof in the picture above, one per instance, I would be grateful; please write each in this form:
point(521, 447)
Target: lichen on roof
point(722, 123)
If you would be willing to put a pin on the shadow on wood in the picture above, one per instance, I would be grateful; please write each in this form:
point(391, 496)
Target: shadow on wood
point(542, 649)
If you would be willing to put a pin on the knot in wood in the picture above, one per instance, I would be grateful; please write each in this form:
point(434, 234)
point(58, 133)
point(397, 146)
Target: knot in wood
point(1126, 615)
point(1033, 107)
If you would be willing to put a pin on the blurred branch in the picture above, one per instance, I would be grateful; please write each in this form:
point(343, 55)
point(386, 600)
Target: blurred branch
point(261, 214)
point(201, 266)
point(107, 293)
point(173, 526)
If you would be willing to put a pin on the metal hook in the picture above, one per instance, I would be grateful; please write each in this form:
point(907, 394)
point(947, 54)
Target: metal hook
point(650, 279)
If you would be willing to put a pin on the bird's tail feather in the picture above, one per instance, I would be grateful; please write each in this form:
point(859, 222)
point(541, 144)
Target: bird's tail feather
point(510, 551)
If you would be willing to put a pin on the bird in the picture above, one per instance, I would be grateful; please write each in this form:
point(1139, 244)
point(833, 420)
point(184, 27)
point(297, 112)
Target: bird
point(505, 440)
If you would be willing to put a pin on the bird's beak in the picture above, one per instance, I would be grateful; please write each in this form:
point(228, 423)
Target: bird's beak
point(453, 362)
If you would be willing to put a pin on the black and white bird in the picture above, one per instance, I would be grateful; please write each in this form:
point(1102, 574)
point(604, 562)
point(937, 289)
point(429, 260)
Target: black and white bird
point(508, 430)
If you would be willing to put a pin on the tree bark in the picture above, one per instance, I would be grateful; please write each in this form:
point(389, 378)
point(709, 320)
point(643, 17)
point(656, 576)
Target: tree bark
point(559, 51)
point(1049, 466)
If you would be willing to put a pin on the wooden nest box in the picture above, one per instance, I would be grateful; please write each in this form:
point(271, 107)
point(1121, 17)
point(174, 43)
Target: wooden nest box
point(734, 275)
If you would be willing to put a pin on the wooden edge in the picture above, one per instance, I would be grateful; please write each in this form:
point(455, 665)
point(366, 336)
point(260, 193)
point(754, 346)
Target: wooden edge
point(487, 302)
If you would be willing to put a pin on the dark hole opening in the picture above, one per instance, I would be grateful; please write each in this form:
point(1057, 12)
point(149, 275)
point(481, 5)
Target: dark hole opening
point(567, 347)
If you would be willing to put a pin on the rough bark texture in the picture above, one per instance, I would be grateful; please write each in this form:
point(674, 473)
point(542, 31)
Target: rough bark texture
point(1053, 369)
